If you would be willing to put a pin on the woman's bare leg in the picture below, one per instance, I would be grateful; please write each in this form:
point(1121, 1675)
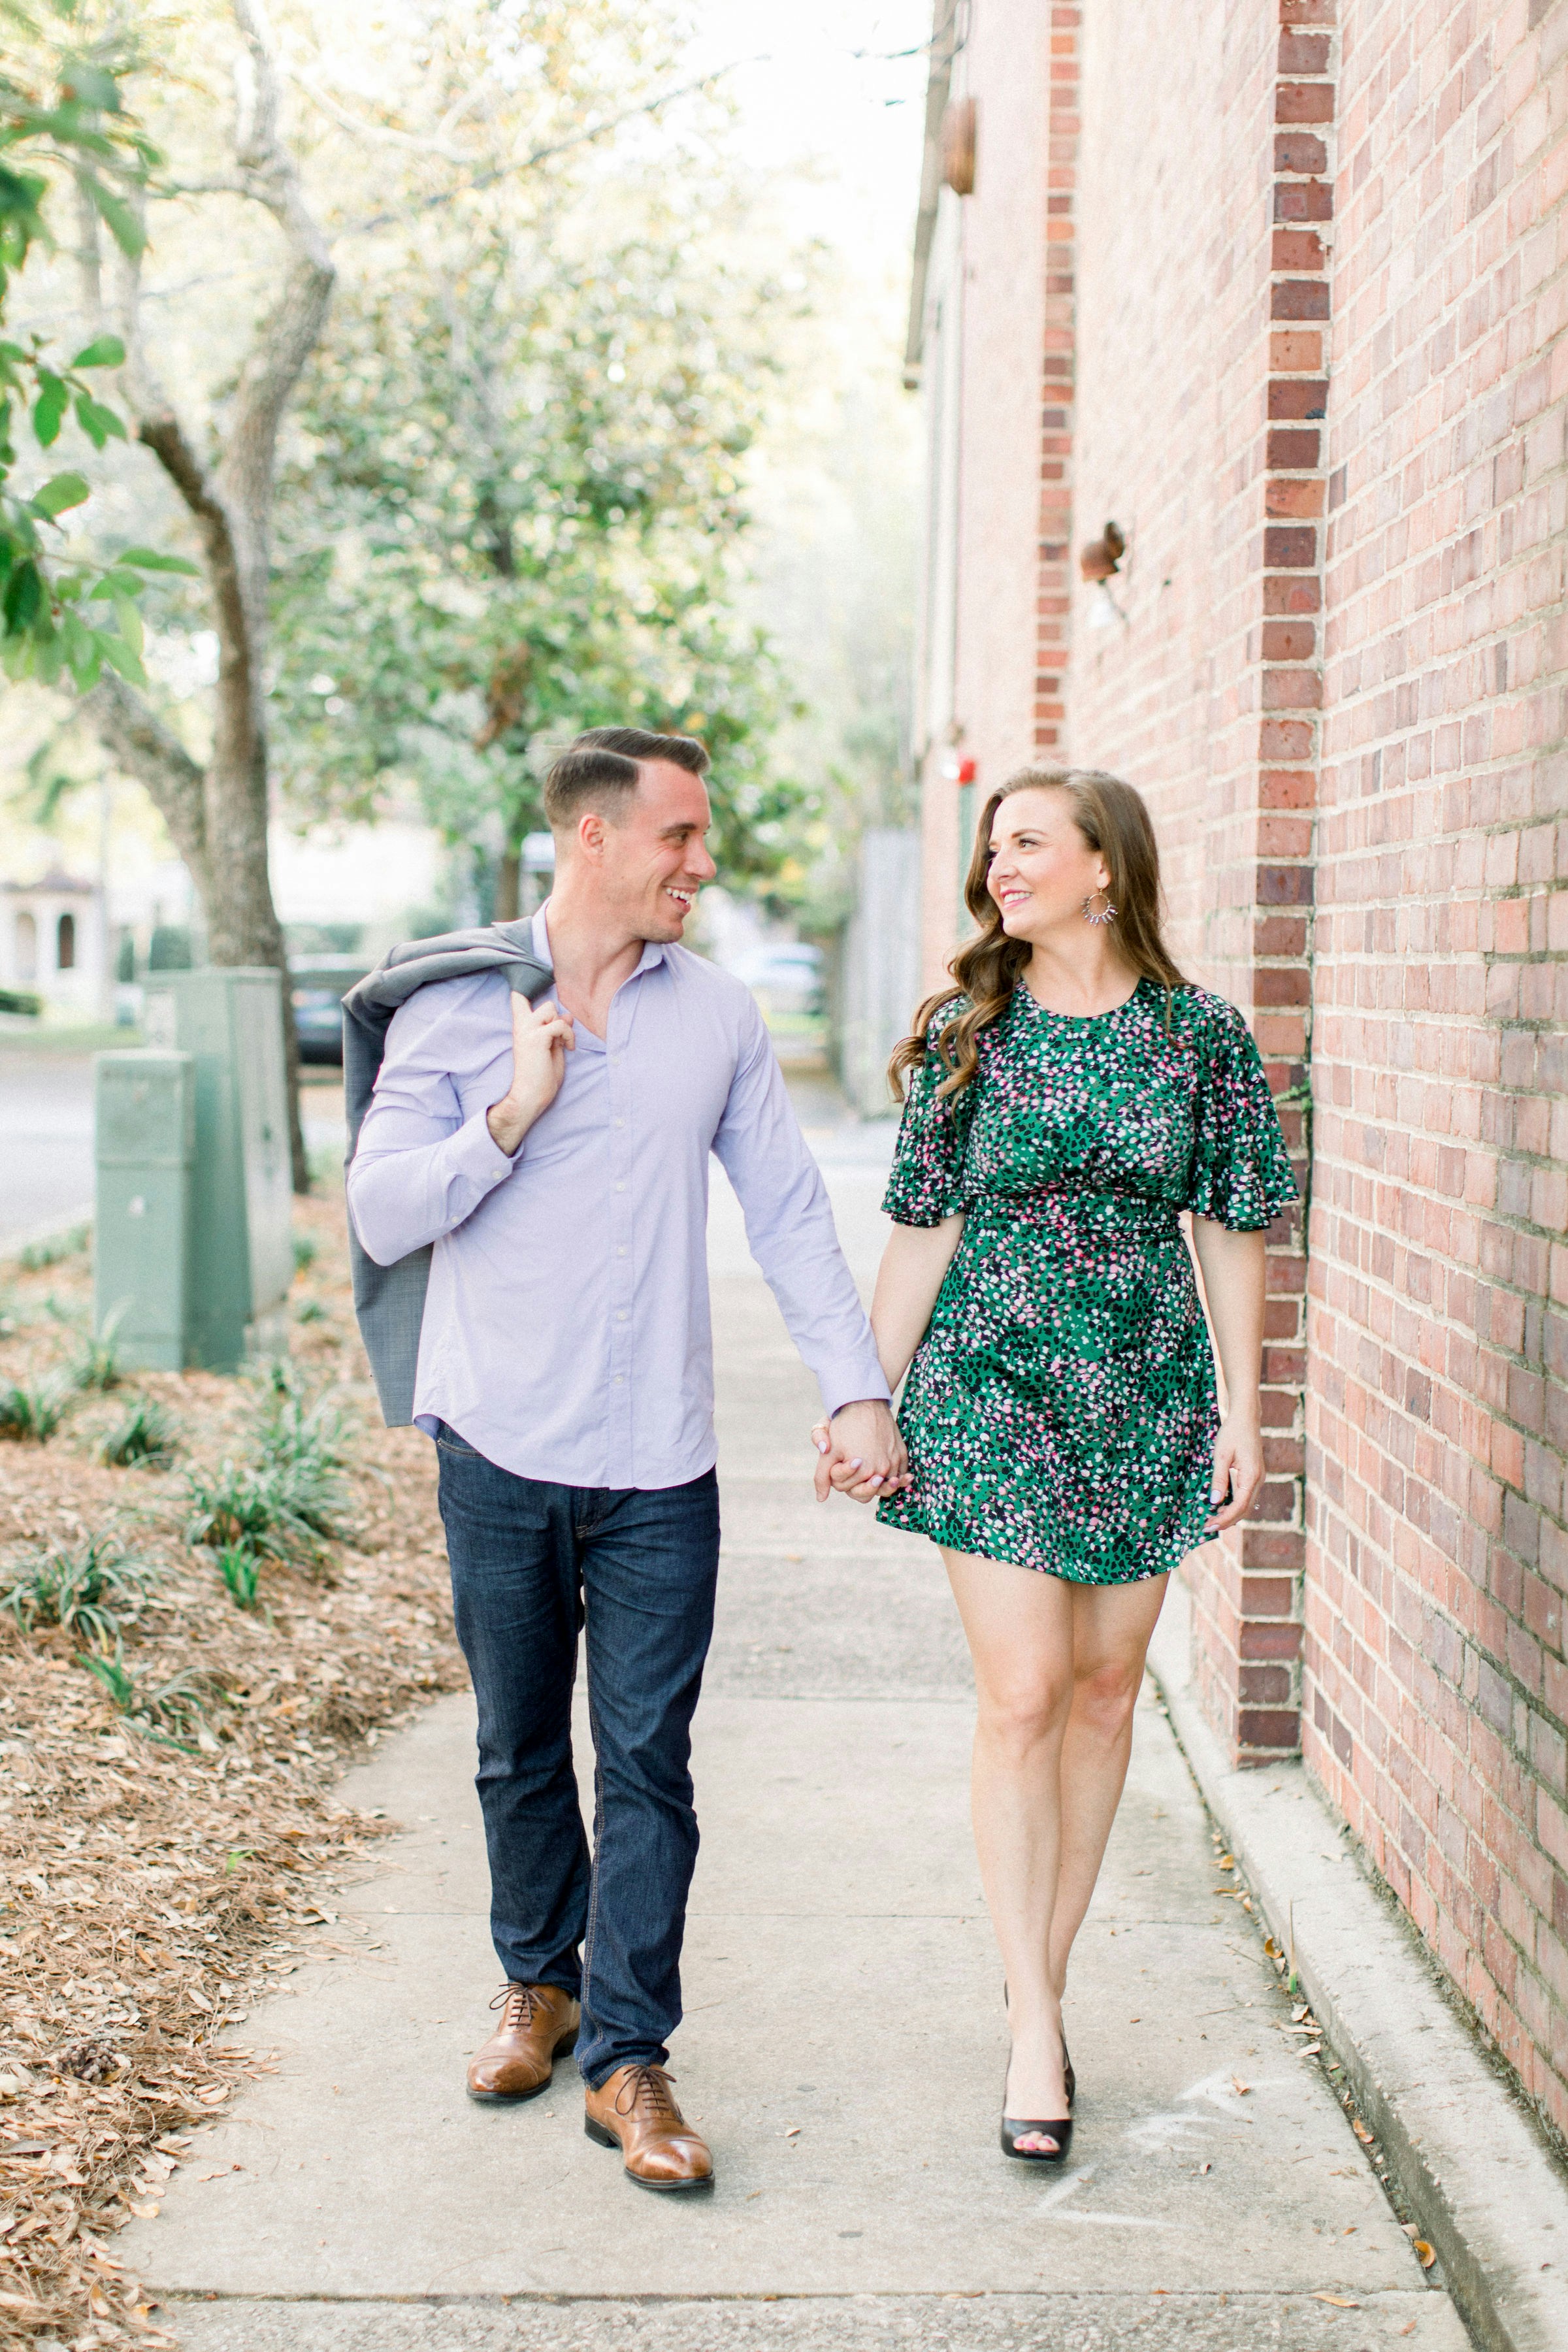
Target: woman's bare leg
point(1112, 1625)
point(1057, 1668)
point(1020, 1631)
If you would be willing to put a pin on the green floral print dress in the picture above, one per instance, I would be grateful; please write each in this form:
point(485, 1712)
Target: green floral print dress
point(1060, 1411)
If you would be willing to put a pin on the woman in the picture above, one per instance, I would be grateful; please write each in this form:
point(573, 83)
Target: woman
point(1068, 1097)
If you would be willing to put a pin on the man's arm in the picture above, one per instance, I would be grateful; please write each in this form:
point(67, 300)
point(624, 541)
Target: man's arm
point(421, 1167)
point(790, 1229)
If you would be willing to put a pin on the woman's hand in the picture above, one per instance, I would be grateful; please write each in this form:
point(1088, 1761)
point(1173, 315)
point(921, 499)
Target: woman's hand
point(542, 1037)
point(1237, 1471)
point(860, 1454)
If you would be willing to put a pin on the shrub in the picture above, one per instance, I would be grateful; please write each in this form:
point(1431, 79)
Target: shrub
point(143, 1440)
point(88, 1591)
point(32, 1410)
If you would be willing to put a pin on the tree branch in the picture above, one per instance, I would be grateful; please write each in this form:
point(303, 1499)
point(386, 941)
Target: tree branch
point(543, 154)
point(140, 743)
point(283, 342)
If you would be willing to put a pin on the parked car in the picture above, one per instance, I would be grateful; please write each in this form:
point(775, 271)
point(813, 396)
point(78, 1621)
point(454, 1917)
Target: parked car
point(786, 976)
point(317, 988)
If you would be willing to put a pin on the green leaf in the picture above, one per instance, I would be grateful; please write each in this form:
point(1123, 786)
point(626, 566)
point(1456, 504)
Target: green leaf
point(122, 658)
point(130, 621)
point(107, 350)
point(24, 598)
point(147, 559)
point(50, 408)
point(90, 85)
point(82, 650)
point(118, 217)
point(98, 422)
point(60, 492)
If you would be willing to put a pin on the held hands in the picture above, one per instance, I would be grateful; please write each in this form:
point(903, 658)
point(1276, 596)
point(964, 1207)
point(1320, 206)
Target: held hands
point(860, 1453)
point(542, 1037)
point(1237, 1471)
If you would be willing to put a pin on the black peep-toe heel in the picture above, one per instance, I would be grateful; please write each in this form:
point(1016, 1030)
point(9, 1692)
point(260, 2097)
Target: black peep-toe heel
point(1017, 2127)
point(1069, 2079)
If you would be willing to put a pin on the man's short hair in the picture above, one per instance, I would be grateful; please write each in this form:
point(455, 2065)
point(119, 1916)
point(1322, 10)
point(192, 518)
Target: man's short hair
point(600, 770)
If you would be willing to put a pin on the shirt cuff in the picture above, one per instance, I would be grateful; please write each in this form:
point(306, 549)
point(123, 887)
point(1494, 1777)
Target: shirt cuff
point(474, 1152)
point(852, 1383)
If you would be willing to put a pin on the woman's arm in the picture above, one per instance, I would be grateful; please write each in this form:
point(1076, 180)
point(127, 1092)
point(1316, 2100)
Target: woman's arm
point(914, 1265)
point(1233, 1272)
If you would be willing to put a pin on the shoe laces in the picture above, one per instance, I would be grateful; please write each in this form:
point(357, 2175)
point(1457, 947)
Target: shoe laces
point(517, 2003)
point(647, 2087)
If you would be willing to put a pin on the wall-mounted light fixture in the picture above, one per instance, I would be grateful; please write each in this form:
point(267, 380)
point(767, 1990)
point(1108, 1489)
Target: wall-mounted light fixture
point(958, 137)
point(1102, 556)
point(1098, 563)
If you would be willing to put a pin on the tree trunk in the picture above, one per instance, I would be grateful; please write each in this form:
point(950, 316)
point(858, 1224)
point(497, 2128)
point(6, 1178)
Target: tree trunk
point(508, 885)
point(219, 815)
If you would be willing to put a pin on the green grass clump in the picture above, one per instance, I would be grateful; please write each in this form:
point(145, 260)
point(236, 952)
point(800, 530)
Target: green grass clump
point(97, 1364)
point(143, 1440)
point(240, 1569)
point(88, 1591)
point(53, 1249)
point(307, 1250)
point(31, 1410)
point(167, 1713)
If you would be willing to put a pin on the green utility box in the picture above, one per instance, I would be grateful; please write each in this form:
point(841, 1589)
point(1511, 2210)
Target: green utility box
point(241, 1258)
point(145, 1111)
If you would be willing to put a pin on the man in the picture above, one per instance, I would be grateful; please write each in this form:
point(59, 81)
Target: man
point(556, 1155)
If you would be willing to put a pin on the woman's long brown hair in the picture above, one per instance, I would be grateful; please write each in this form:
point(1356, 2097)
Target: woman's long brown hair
point(1112, 818)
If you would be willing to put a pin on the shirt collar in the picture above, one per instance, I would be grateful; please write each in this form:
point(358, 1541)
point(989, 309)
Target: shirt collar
point(651, 958)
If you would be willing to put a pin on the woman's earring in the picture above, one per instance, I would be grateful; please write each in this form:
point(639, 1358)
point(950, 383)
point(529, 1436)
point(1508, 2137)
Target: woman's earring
point(1106, 914)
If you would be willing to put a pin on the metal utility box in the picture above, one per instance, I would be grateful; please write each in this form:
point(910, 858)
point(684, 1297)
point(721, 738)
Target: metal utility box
point(145, 1119)
point(230, 1022)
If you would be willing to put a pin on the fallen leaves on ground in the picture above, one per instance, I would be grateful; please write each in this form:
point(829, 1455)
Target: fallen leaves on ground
point(151, 1884)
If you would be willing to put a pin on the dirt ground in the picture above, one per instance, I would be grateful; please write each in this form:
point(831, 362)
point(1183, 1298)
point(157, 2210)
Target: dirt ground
point(167, 1821)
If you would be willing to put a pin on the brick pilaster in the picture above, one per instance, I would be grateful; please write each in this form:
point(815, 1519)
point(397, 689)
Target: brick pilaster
point(1054, 595)
point(1273, 1547)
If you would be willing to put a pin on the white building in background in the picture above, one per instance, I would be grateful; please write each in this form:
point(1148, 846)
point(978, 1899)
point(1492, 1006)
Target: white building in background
point(54, 944)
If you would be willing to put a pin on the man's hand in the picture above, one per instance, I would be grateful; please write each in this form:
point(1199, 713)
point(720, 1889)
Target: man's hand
point(542, 1037)
point(860, 1453)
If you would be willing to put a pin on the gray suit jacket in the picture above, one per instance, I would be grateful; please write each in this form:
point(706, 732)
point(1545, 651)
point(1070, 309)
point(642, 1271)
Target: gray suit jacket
point(389, 1300)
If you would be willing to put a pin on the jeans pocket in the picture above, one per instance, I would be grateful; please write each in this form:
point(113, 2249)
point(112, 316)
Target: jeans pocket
point(448, 1442)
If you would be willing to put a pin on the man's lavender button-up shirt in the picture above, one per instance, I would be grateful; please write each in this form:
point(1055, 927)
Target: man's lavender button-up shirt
point(566, 1332)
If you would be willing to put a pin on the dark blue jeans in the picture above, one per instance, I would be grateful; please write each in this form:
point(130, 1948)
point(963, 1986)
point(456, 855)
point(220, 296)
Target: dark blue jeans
point(532, 1566)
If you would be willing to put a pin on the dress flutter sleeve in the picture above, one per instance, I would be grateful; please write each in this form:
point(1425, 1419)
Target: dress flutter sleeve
point(1240, 1174)
point(925, 1183)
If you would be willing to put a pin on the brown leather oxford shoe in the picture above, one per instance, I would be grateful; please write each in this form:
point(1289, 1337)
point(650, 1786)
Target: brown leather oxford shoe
point(537, 2023)
point(633, 2109)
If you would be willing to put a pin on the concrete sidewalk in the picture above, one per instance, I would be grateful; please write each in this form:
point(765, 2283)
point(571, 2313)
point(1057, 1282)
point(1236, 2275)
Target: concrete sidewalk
point(844, 2041)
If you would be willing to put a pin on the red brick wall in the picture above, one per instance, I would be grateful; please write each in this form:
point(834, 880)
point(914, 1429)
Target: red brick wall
point(1003, 285)
point(1340, 673)
point(1204, 692)
point(1437, 1568)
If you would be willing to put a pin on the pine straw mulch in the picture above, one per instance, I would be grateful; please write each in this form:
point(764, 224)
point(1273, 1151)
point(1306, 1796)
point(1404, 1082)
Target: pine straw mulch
point(147, 1889)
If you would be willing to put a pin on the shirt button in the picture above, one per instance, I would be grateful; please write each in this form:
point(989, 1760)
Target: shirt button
point(620, 1122)
point(620, 1253)
point(621, 1317)
point(619, 1382)
point(620, 1188)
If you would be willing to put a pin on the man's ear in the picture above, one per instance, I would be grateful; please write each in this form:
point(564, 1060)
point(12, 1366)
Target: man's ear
point(591, 830)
